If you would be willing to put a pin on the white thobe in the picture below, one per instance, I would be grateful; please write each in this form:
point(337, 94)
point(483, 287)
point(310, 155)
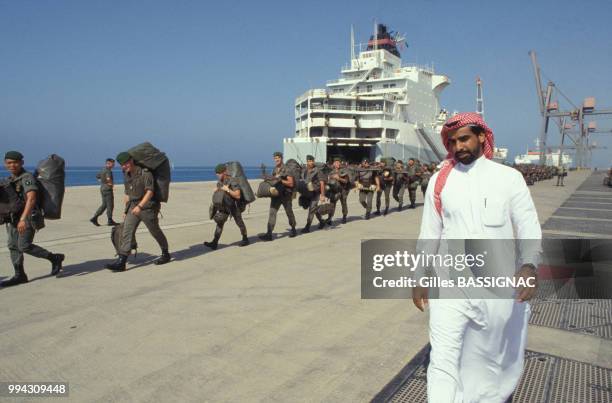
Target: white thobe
point(477, 345)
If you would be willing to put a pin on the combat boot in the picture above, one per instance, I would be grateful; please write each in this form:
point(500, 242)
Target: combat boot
point(19, 278)
point(399, 208)
point(322, 224)
point(292, 233)
point(386, 211)
point(343, 219)
point(212, 244)
point(377, 212)
point(412, 205)
point(163, 259)
point(112, 223)
point(367, 216)
point(306, 229)
point(56, 260)
point(267, 236)
point(94, 221)
point(117, 265)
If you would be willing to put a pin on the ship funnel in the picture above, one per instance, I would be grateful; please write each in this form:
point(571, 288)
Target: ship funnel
point(386, 40)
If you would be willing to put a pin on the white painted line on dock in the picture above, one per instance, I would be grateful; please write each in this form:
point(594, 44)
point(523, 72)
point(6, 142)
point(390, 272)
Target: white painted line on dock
point(576, 234)
point(581, 218)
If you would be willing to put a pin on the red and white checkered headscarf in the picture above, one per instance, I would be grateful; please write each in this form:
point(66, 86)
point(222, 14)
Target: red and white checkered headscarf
point(456, 122)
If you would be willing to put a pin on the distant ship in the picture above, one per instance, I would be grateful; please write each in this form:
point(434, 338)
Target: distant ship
point(378, 108)
point(551, 157)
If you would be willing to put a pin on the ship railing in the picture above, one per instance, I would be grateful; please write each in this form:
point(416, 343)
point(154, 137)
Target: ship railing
point(424, 67)
point(317, 92)
point(375, 108)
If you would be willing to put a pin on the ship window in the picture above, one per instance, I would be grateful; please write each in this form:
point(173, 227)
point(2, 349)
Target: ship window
point(369, 88)
point(385, 85)
point(392, 85)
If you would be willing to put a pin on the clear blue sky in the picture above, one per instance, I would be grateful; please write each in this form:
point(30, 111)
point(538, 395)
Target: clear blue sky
point(214, 81)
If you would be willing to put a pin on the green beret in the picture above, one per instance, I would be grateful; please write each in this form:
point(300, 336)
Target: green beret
point(13, 155)
point(278, 154)
point(309, 158)
point(123, 157)
point(220, 168)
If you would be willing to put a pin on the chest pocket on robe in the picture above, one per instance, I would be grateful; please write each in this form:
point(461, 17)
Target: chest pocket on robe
point(495, 212)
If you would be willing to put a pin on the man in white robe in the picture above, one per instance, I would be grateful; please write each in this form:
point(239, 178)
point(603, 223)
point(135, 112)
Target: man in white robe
point(477, 345)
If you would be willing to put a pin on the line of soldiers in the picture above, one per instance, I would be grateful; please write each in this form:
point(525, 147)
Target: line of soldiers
point(535, 173)
point(394, 179)
point(322, 187)
point(141, 205)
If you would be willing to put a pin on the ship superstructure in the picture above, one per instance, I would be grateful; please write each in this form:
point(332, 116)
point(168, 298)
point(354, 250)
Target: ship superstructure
point(378, 108)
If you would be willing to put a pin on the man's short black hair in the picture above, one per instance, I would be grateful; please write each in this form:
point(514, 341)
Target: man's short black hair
point(110, 160)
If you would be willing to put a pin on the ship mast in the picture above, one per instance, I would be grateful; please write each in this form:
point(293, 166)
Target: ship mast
point(352, 43)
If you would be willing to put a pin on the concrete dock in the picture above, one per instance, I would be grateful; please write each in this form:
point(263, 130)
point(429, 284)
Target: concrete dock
point(274, 321)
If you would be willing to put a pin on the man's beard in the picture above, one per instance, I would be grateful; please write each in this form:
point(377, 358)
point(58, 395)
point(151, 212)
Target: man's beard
point(467, 157)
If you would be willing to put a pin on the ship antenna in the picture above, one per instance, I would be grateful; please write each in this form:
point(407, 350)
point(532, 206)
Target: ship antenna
point(352, 43)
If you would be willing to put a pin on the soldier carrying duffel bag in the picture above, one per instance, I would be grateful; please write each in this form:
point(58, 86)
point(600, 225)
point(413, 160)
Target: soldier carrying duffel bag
point(313, 189)
point(340, 185)
point(23, 216)
point(367, 183)
point(231, 194)
point(286, 176)
point(142, 201)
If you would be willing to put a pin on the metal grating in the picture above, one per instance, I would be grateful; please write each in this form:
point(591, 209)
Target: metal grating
point(586, 316)
point(592, 384)
point(533, 385)
point(579, 305)
point(415, 389)
point(545, 379)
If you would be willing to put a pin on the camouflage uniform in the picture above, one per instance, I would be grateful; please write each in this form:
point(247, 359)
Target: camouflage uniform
point(314, 177)
point(365, 178)
point(345, 188)
point(106, 191)
point(136, 185)
point(399, 185)
point(224, 211)
point(284, 199)
point(17, 243)
point(413, 183)
point(386, 184)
